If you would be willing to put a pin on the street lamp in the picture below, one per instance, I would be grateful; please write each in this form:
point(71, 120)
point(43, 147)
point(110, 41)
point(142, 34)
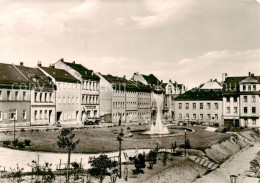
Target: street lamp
point(185, 142)
point(14, 126)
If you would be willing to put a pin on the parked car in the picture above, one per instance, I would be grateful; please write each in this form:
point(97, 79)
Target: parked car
point(91, 121)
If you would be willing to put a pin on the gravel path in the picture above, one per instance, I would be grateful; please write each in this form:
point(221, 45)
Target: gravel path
point(236, 165)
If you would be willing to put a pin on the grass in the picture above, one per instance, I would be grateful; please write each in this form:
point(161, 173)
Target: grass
point(95, 140)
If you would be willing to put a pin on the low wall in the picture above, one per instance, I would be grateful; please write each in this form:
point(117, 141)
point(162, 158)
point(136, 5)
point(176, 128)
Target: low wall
point(224, 150)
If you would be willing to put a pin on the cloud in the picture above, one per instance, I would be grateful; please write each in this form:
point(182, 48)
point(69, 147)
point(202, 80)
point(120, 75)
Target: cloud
point(213, 64)
point(162, 11)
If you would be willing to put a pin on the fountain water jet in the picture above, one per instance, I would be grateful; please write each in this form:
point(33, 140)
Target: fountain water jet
point(158, 127)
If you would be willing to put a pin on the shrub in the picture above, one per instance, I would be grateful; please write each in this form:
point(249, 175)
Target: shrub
point(164, 158)
point(139, 163)
point(22, 130)
point(21, 145)
point(47, 130)
point(15, 142)
point(37, 130)
point(6, 143)
point(32, 130)
point(128, 128)
point(215, 124)
point(27, 142)
point(152, 158)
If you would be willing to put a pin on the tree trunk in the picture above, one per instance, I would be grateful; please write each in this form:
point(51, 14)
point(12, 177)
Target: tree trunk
point(68, 167)
point(120, 171)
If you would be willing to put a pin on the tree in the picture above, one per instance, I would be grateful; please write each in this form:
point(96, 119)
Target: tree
point(66, 142)
point(139, 162)
point(152, 158)
point(100, 165)
point(120, 139)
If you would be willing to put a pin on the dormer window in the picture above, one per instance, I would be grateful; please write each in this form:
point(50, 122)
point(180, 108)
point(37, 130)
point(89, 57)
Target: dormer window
point(254, 87)
point(244, 87)
point(249, 87)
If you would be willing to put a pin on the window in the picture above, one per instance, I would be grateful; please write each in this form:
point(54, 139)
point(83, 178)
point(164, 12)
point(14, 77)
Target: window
point(45, 98)
point(208, 105)
point(180, 105)
point(1, 95)
point(228, 99)
point(187, 106)
point(41, 117)
point(254, 121)
point(180, 116)
point(64, 100)
point(201, 116)
point(245, 99)
point(95, 113)
point(194, 105)
point(35, 115)
point(12, 114)
point(194, 116)
point(40, 97)
point(24, 114)
point(246, 121)
point(8, 95)
point(1, 116)
point(216, 116)
point(50, 97)
point(208, 116)
point(187, 116)
point(245, 110)
point(201, 105)
point(235, 99)
point(249, 87)
point(46, 114)
point(244, 87)
point(16, 95)
point(35, 97)
point(216, 105)
point(254, 87)
point(235, 110)
point(253, 110)
point(228, 110)
point(24, 96)
point(253, 98)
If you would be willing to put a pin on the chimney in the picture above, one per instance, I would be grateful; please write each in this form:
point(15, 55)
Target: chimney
point(252, 74)
point(39, 63)
point(124, 76)
point(170, 81)
point(210, 79)
point(21, 63)
point(224, 76)
point(52, 66)
point(249, 73)
point(74, 62)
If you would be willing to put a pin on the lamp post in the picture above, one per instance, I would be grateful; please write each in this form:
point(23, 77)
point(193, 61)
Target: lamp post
point(233, 178)
point(185, 142)
point(14, 126)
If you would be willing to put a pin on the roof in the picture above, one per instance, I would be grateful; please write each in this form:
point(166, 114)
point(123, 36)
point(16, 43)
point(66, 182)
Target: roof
point(84, 72)
point(233, 82)
point(10, 75)
point(250, 79)
point(35, 73)
point(151, 79)
point(211, 85)
point(121, 83)
point(198, 94)
point(60, 75)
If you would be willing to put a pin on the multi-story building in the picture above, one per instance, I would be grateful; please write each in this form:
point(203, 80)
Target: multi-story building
point(14, 97)
point(172, 90)
point(241, 103)
point(68, 94)
point(89, 87)
point(144, 102)
point(203, 104)
point(42, 95)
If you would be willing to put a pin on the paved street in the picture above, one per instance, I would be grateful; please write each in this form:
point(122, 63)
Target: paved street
point(236, 165)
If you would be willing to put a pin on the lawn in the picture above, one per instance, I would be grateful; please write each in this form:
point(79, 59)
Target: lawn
point(104, 139)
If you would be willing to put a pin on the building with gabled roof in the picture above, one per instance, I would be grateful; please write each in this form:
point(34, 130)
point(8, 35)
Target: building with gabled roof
point(200, 105)
point(89, 87)
point(43, 107)
point(14, 97)
point(68, 94)
point(241, 102)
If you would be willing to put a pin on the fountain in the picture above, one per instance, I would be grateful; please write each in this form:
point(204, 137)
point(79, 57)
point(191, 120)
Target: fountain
point(158, 127)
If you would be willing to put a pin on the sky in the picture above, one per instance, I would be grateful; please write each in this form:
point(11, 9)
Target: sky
point(188, 41)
